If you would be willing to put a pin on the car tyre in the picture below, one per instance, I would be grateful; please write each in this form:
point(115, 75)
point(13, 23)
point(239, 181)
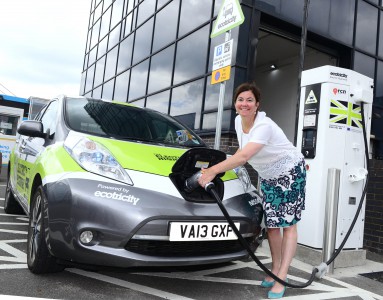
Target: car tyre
point(39, 259)
point(11, 206)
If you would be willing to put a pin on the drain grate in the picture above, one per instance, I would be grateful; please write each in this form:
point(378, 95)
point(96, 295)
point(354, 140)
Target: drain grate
point(378, 276)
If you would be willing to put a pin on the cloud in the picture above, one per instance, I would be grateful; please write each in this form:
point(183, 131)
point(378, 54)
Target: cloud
point(43, 46)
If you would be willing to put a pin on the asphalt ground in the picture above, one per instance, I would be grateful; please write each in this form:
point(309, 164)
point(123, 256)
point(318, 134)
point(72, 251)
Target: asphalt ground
point(236, 280)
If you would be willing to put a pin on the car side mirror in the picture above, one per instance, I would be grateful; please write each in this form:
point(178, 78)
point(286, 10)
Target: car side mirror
point(32, 128)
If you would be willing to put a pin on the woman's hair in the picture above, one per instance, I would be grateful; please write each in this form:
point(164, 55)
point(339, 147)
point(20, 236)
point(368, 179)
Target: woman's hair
point(248, 86)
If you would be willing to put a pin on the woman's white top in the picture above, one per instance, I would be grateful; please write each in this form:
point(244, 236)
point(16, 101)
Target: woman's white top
point(277, 156)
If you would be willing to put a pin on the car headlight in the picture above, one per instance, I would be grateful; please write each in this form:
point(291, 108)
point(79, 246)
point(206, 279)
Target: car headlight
point(95, 158)
point(244, 177)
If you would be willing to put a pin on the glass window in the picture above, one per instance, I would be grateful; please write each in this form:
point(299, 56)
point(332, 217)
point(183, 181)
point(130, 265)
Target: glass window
point(97, 12)
point(82, 84)
point(212, 93)
point(379, 85)
point(111, 62)
point(341, 23)
point(161, 68)
point(217, 6)
point(97, 92)
point(121, 87)
point(89, 78)
point(107, 90)
point(128, 24)
point(8, 125)
point(166, 25)
point(117, 12)
point(380, 50)
point(143, 41)
point(366, 27)
point(49, 119)
point(186, 103)
point(88, 40)
point(125, 54)
point(139, 102)
point(105, 23)
point(210, 120)
point(319, 16)
point(145, 10)
point(138, 80)
point(364, 64)
point(191, 55)
point(130, 5)
point(114, 37)
point(159, 102)
point(193, 14)
point(292, 10)
point(99, 74)
point(107, 4)
point(92, 55)
point(95, 32)
point(85, 62)
point(161, 3)
point(102, 47)
point(126, 122)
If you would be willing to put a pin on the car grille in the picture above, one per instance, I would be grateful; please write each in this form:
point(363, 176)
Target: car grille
point(181, 249)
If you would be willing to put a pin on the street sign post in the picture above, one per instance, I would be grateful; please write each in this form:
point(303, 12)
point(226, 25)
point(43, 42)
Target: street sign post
point(222, 55)
point(220, 75)
point(230, 15)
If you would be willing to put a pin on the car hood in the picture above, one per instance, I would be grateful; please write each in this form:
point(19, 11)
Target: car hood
point(155, 159)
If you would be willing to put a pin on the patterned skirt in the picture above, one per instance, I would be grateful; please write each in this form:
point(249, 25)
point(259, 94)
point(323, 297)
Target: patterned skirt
point(284, 197)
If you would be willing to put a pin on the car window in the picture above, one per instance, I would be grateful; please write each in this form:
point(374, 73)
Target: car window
point(126, 122)
point(49, 118)
point(39, 114)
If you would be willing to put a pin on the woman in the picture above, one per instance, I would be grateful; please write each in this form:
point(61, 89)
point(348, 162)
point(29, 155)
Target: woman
point(282, 172)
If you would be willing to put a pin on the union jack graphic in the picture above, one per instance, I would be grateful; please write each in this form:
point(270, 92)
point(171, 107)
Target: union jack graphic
point(343, 112)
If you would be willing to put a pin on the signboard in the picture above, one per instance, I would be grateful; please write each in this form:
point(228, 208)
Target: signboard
point(222, 55)
point(220, 75)
point(230, 15)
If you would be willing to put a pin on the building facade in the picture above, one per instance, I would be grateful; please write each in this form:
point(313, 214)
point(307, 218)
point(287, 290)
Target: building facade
point(158, 54)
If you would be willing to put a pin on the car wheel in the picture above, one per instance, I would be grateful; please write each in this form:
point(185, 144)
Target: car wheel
point(39, 259)
point(11, 206)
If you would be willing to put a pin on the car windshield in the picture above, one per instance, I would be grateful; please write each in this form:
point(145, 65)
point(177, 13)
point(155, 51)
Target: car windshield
point(127, 122)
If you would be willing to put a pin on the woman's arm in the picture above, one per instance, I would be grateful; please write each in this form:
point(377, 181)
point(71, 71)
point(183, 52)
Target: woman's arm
point(237, 159)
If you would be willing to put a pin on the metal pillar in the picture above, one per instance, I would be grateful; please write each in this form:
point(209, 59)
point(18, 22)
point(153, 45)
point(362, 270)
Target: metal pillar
point(331, 214)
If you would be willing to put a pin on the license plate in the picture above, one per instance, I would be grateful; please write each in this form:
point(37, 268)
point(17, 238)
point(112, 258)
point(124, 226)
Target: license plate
point(197, 231)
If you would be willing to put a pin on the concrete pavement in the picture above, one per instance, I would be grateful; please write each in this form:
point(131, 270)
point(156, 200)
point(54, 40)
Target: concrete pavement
point(344, 283)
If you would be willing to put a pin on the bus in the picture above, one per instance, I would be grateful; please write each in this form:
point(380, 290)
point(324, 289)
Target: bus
point(13, 110)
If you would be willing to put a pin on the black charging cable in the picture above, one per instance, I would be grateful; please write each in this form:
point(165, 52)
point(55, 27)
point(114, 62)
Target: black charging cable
point(318, 271)
point(210, 188)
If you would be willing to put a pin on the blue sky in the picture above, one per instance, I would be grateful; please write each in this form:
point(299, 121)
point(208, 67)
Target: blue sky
point(42, 44)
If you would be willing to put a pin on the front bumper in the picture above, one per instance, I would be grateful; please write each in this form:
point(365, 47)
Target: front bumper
point(131, 225)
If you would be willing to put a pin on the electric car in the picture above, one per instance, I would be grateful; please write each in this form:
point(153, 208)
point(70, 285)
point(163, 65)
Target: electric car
point(103, 184)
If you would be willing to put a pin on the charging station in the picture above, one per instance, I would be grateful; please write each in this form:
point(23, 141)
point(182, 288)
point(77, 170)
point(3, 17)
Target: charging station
point(330, 135)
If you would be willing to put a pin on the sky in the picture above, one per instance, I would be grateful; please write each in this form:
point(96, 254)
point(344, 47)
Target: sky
point(42, 46)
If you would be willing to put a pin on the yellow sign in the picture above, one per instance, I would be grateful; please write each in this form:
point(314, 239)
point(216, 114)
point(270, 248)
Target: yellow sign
point(220, 75)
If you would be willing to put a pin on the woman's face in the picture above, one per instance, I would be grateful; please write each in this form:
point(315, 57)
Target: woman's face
point(246, 104)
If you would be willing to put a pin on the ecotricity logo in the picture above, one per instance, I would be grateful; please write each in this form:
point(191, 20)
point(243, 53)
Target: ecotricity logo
point(116, 193)
point(341, 76)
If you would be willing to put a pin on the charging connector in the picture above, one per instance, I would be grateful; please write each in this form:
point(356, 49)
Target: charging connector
point(360, 95)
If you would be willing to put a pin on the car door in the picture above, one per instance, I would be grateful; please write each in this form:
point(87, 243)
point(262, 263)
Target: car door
point(28, 150)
